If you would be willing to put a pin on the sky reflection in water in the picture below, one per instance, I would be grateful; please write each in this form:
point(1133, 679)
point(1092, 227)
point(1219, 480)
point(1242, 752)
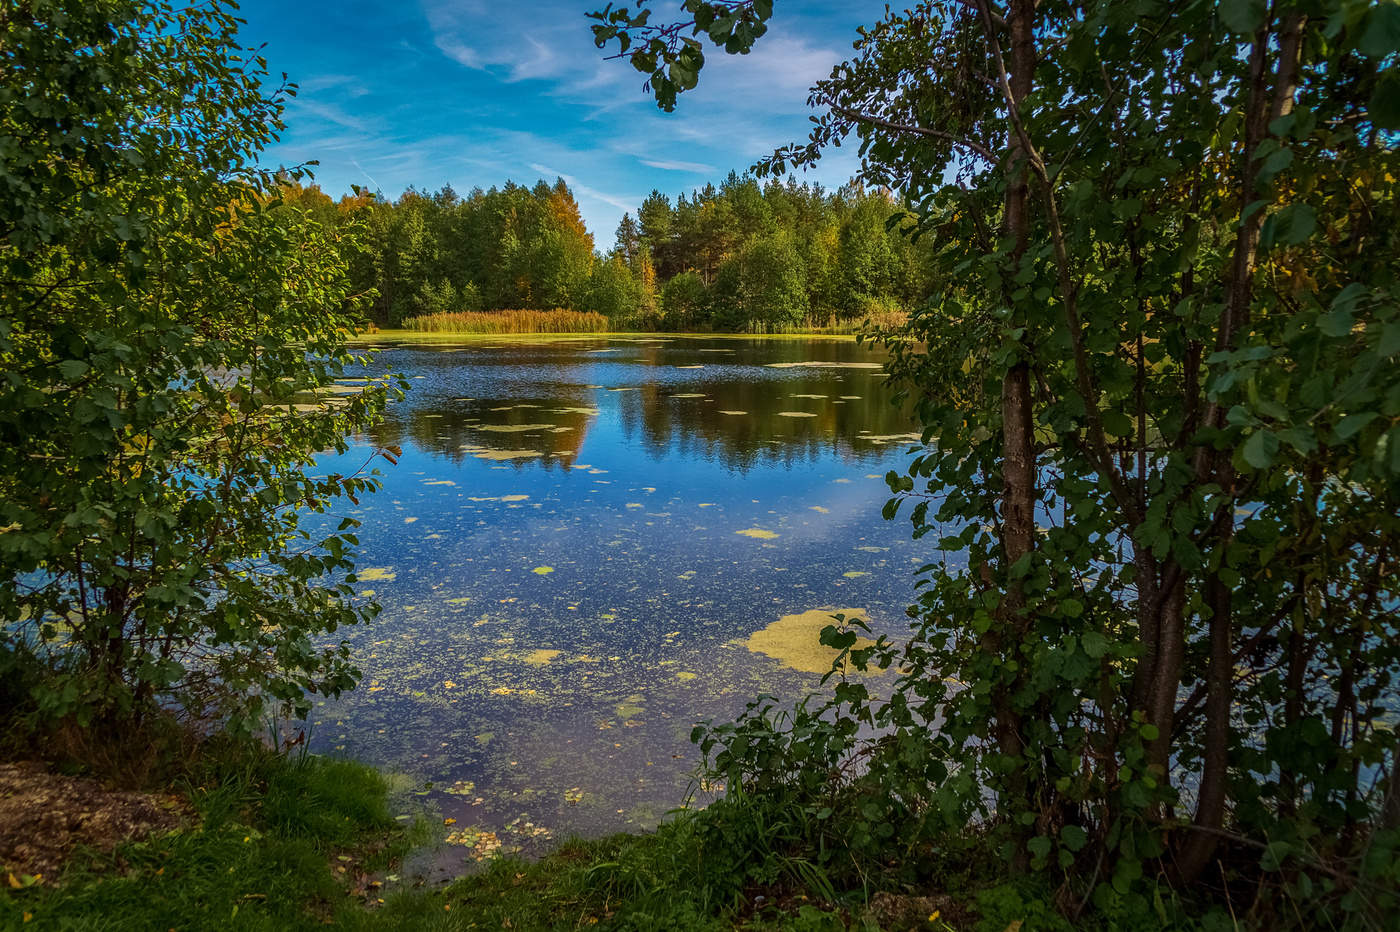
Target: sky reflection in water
point(576, 543)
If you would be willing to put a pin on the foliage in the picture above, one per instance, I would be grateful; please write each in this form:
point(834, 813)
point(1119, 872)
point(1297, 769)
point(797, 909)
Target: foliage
point(270, 828)
point(684, 301)
point(810, 254)
point(794, 244)
point(614, 292)
point(514, 321)
point(1159, 364)
point(772, 291)
point(167, 332)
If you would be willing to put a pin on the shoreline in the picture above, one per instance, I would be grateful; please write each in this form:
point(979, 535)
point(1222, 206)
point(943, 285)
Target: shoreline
point(415, 336)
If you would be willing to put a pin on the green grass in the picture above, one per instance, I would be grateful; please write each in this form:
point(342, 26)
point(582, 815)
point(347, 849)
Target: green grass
point(271, 831)
point(286, 842)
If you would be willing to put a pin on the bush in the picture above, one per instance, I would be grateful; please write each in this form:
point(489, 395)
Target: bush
point(684, 301)
point(169, 339)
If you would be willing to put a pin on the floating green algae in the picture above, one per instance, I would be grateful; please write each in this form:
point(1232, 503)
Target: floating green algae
point(795, 640)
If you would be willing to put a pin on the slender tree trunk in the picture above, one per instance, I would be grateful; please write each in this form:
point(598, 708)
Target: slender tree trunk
point(1018, 450)
point(1196, 854)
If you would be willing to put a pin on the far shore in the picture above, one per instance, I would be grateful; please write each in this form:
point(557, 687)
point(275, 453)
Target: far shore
point(417, 336)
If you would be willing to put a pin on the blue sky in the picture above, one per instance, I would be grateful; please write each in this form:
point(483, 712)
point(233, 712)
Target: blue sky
point(472, 93)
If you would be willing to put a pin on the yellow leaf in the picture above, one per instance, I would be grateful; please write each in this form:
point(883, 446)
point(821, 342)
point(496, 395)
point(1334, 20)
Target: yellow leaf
point(28, 916)
point(449, 821)
point(14, 882)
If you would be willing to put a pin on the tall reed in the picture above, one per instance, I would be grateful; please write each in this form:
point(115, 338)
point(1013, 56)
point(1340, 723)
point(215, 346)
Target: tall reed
point(510, 321)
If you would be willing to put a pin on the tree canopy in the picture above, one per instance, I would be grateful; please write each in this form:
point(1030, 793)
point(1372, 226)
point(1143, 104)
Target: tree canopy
point(1157, 375)
point(515, 247)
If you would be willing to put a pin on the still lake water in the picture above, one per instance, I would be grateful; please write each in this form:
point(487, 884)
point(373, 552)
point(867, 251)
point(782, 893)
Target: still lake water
point(591, 543)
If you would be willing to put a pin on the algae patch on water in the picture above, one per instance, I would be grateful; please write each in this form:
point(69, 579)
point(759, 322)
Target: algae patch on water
point(512, 428)
point(757, 532)
point(372, 573)
point(795, 640)
point(507, 454)
point(824, 364)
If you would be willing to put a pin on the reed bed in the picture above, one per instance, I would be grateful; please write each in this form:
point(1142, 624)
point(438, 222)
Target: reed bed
point(879, 319)
point(509, 321)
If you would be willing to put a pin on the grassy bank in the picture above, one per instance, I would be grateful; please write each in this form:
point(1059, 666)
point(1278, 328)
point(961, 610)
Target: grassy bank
point(272, 841)
point(277, 842)
point(267, 841)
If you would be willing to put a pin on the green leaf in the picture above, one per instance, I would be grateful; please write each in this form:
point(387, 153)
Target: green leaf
point(1242, 16)
point(1384, 106)
point(1294, 224)
point(1260, 449)
point(1095, 644)
point(1381, 35)
point(1350, 425)
point(1039, 846)
point(1073, 837)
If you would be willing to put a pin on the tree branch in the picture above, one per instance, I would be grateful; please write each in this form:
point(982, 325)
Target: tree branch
point(862, 117)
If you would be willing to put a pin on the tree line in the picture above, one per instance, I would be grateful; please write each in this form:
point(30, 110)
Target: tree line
point(737, 256)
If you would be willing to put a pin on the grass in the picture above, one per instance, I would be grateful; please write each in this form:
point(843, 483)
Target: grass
point(509, 321)
point(292, 842)
point(279, 844)
point(881, 318)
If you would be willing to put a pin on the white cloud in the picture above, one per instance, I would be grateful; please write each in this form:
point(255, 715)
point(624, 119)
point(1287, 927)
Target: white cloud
point(328, 112)
point(580, 188)
point(699, 168)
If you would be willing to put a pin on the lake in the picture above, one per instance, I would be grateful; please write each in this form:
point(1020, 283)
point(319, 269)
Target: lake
point(591, 543)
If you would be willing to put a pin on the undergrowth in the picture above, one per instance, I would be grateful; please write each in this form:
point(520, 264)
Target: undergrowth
point(276, 842)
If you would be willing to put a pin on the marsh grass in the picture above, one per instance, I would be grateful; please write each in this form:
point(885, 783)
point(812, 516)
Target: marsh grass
point(558, 320)
point(879, 318)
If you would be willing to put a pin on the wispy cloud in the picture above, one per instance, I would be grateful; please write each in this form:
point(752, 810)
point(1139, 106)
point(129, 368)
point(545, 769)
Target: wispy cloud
point(328, 112)
point(699, 168)
point(474, 93)
point(586, 190)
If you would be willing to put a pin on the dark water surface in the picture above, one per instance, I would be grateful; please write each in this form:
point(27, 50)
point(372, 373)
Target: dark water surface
point(588, 545)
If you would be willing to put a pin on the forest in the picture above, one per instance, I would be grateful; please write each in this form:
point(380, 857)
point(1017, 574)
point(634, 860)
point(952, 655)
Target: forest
point(738, 257)
point(1132, 273)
